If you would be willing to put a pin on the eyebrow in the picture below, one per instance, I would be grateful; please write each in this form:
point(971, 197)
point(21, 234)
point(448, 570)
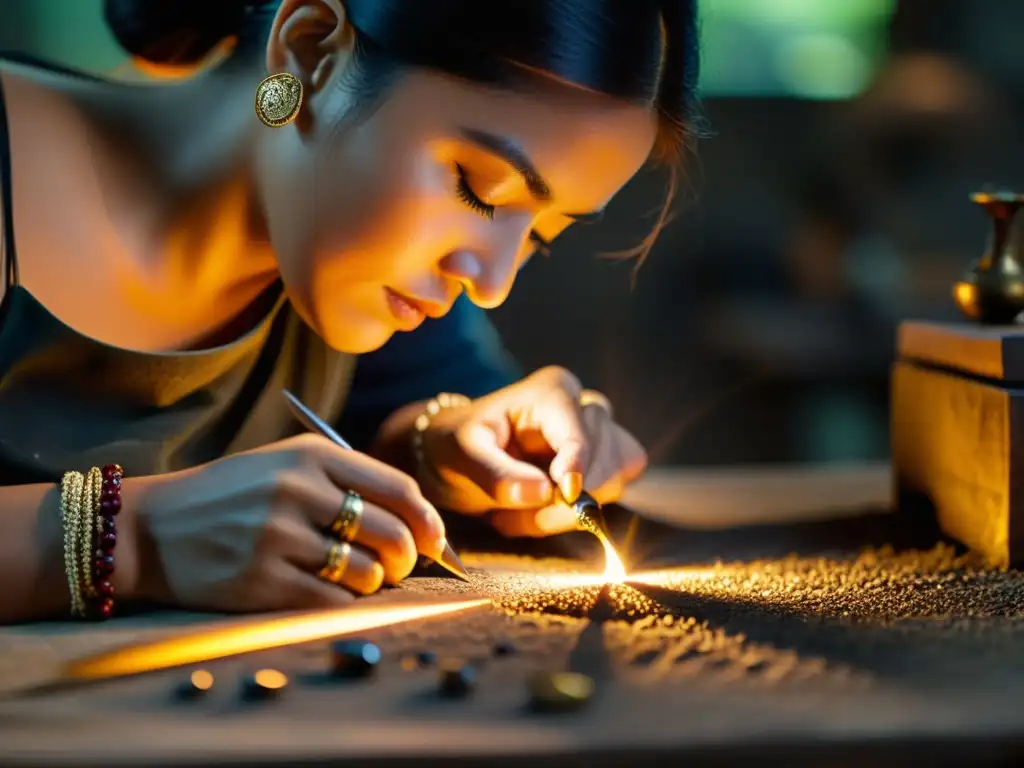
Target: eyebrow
point(513, 154)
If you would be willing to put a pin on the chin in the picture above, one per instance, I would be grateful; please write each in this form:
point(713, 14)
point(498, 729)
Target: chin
point(366, 338)
point(351, 333)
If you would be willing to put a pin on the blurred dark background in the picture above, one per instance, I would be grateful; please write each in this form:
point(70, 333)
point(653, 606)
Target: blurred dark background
point(829, 203)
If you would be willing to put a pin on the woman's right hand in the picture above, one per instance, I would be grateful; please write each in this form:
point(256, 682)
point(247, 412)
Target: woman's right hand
point(249, 532)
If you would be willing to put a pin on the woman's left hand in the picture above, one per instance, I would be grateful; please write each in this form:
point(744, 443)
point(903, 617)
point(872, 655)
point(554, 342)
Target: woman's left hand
point(503, 454)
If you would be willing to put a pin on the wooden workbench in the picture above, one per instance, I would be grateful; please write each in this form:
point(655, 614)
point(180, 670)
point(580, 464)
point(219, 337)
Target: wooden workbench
point(907, 652)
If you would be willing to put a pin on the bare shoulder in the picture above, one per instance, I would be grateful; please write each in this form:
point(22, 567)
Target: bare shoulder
point(59, 156)
point(41, 119)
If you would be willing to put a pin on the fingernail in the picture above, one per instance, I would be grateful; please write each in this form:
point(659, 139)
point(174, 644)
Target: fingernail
point(571, 484)
point(520, 493)
point(557, 519)
point(516, 492)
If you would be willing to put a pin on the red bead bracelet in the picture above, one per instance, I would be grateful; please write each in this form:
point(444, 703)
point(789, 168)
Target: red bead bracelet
point(102, 605)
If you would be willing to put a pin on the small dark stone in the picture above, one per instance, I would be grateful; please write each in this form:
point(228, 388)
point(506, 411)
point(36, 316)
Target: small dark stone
point(197, 685)
point(426, 659)
point(458, 681)
point(504, 648)
point(560, 691)
point(264, 684)
point(354, 658)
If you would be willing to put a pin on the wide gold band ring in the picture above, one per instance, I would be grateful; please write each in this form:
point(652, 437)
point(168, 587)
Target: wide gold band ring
point(337, 561)
point(346, 525)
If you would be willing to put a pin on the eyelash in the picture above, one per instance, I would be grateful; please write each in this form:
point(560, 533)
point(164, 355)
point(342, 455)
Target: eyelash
point(466, 194)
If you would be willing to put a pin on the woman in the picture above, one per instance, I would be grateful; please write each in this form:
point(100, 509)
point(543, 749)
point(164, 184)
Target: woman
point(178, 264)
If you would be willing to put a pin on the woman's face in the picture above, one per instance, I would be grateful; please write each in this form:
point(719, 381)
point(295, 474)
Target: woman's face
point(384, 221)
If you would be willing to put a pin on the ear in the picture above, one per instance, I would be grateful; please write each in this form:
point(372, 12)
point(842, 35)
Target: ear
point(309, 39)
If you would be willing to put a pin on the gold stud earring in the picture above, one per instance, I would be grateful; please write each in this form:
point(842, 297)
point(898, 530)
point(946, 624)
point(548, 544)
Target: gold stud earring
point(278, 99)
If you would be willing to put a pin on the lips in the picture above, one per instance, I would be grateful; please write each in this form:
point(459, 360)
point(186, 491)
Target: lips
point(406, 311)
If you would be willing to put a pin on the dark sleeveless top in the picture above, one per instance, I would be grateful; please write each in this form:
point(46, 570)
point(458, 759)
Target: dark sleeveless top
point(71, 402)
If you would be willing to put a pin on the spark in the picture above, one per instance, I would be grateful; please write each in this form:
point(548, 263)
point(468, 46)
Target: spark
point(614, 569)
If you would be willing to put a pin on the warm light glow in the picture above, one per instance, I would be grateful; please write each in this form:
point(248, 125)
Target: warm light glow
point(202, 680)
point(614, 570)
point(257, 635)
point(670, 577)
point(270, 679)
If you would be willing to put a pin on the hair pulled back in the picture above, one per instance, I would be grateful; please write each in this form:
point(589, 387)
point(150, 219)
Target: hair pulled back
point(645, 51)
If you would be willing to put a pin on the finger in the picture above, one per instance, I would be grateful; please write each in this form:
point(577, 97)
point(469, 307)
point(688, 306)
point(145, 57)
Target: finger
point(363, 574)
point(602, 479)
point(386, 487)
point(319, 502)
point(634, 456)
point(483, 461)
point(536, 523)
point(618, 457)
point(386, 535)
point(595, 398)
point(309, 550)
point(304, 591)
point(561, 422)
point(450, 490)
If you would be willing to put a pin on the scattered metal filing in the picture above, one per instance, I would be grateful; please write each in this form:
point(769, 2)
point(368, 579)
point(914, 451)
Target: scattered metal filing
point(504, 648)
point(560, 691)
point(354, 659)
point(196, 685)
point(264, 684)
point(458, 680)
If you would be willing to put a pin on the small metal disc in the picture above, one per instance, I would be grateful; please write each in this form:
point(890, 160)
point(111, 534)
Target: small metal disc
point(198, 684)
point(560, 691)
point(279, 99)
point(264, 684)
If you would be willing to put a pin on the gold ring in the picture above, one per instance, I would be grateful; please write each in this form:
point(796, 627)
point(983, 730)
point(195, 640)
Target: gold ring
point(346, 524)
point(590, 397)
point(337, 561)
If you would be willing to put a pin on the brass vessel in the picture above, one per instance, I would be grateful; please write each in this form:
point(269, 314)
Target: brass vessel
point(992, 290)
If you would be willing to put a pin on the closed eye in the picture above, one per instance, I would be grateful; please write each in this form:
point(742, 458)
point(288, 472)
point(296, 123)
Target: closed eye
point(466, 194)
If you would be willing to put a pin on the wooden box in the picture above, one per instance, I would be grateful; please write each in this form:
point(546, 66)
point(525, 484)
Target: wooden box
point(958, 432)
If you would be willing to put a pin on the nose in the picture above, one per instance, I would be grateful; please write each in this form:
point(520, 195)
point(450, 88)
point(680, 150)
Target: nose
point(488, 279)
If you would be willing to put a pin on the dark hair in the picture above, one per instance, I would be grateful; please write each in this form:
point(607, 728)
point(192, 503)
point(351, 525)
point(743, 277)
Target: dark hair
point(640, 50)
